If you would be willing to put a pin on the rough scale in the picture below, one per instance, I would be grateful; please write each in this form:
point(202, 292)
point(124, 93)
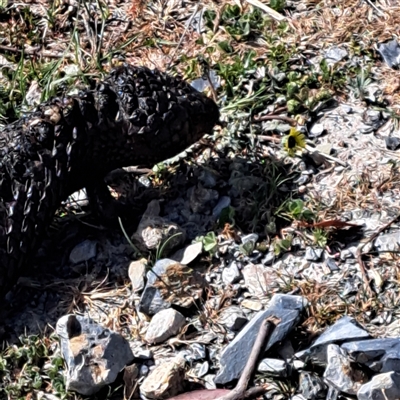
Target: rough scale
point(135, 117)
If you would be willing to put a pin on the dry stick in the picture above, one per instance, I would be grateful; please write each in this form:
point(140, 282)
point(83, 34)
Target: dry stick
point(239, 392)
point(255, 392)
point(291, 121)
point(183, 35)
point(35, 52)
point(359, 255)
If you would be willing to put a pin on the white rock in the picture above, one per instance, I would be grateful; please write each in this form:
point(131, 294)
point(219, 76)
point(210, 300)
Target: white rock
point(137, 272)
point(381, 387)
point(339, 372)
point(164, 324)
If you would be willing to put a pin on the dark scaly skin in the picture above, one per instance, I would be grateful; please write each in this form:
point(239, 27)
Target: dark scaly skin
point(135, 117)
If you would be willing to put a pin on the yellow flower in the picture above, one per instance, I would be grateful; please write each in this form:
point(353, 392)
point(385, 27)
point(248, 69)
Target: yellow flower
point(294, 141)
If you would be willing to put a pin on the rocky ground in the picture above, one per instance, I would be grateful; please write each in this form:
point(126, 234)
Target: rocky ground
point(289, 212)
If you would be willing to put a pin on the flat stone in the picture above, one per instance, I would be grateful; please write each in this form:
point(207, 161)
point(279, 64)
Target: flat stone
point(256, 279)
point(390, 52)
point(381, 387)
point(163, 325)
point(317, 130)
point(83, 252)
point(188, 254)
point(381, 355)
point(165, 380)
point(234, 357)
point(339, 371)
point(392, 142)
point(388, 242)
point(231, 273)
point(345, 329)
point(313, 253)
point(273, 367)
point(223, 202)
point(194, 352)
point(251, 304)
point(232, 318)
point(335, 54)
point(151, 301)
point(94, 355)
point(137, 272)
point(250, 238)
point(312, 386)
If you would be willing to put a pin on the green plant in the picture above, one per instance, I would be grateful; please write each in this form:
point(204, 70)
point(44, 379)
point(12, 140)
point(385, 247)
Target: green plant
point(30, 366)
point(282, 245)
point(295, 210)
point(210, 242)
point(320, 237)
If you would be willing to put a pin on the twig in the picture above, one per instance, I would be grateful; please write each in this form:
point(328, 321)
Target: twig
point(327, 156)
point(35, 51)
point(265, 330)
point(369, 240)
point(256, 391)
point(183, 35)
point(265, 138)
point(291, 121)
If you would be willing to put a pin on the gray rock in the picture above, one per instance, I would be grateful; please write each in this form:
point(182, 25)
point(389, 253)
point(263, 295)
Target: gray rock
point(381, 355)
point(223, 202)
point(390, 52)
point(143, 354)
point(83, 252)
point(331, 264)
point(345, 329)
point(164, 324)
point(335, 54)
point(201, 369)
point(202, 199)
point(85, 344)
point(269, 258)
point(339, 373)
point(232, 318)
point(381, 387)
point(312, 386)
point(273, 367)
point(251, 238)
point(231, 273)
point(388, 242)
point(392, 142)
point(154, 231)
point(313, 253)
point(234, 356)
point(194, 352)
point(208, 178)
point(151, 301)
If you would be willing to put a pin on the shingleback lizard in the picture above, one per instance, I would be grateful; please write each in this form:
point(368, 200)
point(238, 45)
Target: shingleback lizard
point(136, 116)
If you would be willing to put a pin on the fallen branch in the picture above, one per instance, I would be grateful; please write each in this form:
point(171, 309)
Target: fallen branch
point(238, 393)
point(269, 117)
